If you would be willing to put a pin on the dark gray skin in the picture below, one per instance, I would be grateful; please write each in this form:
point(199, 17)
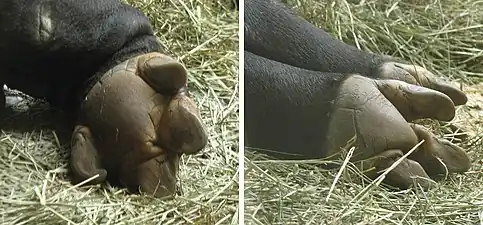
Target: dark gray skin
point(65, 43)
point(294, 113)
point(287, 108)
point(101, 62)
point(274, 31)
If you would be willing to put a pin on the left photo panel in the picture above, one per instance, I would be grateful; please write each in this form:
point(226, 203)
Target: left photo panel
point(119, 112)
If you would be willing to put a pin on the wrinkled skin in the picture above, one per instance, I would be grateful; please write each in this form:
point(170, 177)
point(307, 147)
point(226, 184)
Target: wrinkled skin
point(315, 114)
point(401, 93)
point(377, 112)
point(135, 123)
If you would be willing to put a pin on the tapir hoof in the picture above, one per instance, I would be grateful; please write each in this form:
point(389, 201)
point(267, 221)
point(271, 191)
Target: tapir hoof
point(142, 119)
point(409, 174)
point(414, 74)
point(415, 102)
point(377, 113)
point(162, 73)
point(439, 156)
point(156, 177)
point(405, 175)
point(181, 127)
point(84, 160)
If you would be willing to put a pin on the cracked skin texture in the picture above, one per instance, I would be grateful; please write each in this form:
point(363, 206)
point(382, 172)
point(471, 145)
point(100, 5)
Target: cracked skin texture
point(301, 114)
point(101, 63)
point(140, 131)
point(363, 109)
point(378, 113)
point(297, 117)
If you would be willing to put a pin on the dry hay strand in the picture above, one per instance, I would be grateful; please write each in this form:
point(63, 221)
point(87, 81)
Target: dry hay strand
point(441, 35)
point(34, 184)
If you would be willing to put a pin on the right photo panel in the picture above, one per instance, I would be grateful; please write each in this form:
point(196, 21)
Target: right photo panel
point(363, 112)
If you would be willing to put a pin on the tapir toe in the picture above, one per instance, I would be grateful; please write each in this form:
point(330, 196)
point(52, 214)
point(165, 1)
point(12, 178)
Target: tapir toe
point(162, 73)
point(181, 128)
point(156, 177)
point(439, 156)
point(418, 75)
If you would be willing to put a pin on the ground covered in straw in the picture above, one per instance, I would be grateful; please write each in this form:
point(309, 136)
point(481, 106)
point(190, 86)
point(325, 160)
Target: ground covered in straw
point(444, 36)
point(34, 184)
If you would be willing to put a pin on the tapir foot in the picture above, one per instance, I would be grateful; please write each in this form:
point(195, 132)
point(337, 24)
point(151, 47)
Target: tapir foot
point(439, 156)
point(164, 74)
point(84, 159)
point(406, 174)
point(417, 75)
point(157, 176)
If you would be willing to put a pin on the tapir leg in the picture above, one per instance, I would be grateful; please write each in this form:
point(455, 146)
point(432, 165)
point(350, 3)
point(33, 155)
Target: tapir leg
point(84, 160)
point(287, 109)
point(269, 24)
point(439, 156)
point(274, 31)
point(406, 174)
